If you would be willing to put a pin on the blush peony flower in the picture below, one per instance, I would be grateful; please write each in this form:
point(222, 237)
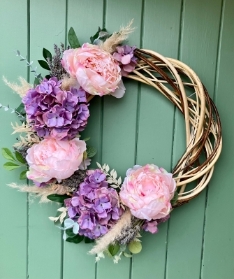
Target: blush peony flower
point(96, 70)
point(53, 158)
point(147, 191)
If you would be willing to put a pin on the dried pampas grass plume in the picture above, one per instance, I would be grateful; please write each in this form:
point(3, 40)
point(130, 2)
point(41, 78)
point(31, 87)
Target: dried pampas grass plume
point(114, 232)
point(117, 38)
point(42, 192)
point(19, 89)
point(68, 82)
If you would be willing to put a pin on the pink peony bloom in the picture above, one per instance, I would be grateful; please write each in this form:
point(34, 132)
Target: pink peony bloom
point(96, 70)
point(53, 158)
point(147, 191)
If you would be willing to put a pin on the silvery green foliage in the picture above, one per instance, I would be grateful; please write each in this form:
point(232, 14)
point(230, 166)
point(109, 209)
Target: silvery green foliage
point(11, 110)
point(111, 176)
point(29, 64)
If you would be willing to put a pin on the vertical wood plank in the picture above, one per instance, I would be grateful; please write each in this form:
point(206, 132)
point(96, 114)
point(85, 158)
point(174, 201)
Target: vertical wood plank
point(218, 248)
point(47, 26)
point(119, 120)
point(181, 256)
point(13, 205)
point(199, 42)
point(161, 28)
point(85, 17)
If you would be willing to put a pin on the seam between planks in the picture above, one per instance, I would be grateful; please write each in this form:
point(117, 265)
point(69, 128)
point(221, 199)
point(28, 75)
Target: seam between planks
point(174, 131)
point(28, 79)
point(223, 2)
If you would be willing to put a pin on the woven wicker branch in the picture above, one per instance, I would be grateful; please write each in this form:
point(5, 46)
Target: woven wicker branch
point(203, 128)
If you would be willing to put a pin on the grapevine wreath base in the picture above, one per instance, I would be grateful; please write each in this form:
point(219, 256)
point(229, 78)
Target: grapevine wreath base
point(96, 204)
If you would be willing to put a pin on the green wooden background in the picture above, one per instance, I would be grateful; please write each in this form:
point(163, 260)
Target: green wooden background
point(197, 242)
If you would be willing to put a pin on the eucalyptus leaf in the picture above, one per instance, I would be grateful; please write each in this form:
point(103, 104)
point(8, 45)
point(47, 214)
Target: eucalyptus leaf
point(135, 247)
point(23, 175)
point(11, 166)
point(57, 198)
point(19, 157)
point(72, 38)
point(44, 64)
point(7, 154)
point(47, 54)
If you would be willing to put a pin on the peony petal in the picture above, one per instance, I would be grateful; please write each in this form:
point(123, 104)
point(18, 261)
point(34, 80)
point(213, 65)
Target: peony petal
point(118, 93)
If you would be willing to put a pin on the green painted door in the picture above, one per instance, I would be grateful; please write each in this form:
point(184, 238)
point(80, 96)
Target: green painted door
point(143, 127)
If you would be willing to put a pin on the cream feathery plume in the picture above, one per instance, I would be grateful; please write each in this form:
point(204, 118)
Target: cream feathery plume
point(117, 38)
point(23, 128)
point(19, 89)
point(68, 82)
point(29, 135)
point(114, 232)
point(42, 192)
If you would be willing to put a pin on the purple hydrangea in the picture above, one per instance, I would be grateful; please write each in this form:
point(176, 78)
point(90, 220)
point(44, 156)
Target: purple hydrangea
point(55, 112)
point(152, 226)
point(95, 206)
point(125, 56)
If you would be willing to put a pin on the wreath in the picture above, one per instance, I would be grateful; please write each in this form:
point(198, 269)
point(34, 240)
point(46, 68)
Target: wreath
point(97, 205)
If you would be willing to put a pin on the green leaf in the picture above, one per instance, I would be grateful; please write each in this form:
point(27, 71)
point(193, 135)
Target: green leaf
point(47, 54)
point(19, 157)
point(36, 81)
point(77, 239)
point(44, 64)
point(20, 109)
point(23, 175)
point(88, 240)
point(91, 151)
point(96, 35)
point(135, 247)
point(57, 198)
point(113, 249)
point(86, 139)
point(48, 76)
point(72, 38)
point(127, 255)
point(6, 153)
point(175, 198)
point(11, 166)
point(70, 232)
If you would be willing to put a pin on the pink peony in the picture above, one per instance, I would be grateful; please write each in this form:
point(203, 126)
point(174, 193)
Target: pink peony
point(147, 191)
point(53, 158)
point(96, 70)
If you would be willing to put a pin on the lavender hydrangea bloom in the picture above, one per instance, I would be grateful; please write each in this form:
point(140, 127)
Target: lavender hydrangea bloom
point(151, 226)
point(94, 206)
point(54, 112)
point(125, 56)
